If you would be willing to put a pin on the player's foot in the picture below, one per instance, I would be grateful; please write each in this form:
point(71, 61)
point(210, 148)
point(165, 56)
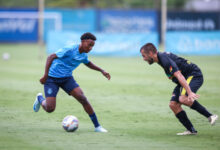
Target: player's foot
point(187, 133)
point(212, 119)
point(36, 105)
point(100, 129)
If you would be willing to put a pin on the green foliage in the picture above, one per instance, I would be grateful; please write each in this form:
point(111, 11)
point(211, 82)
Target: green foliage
point(133, 106)
point(150, 4)
point(175, 4)
point(19, 3)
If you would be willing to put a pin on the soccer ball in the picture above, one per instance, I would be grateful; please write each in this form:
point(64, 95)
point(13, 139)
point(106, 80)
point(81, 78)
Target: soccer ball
point(5, 56)
point(70, 123)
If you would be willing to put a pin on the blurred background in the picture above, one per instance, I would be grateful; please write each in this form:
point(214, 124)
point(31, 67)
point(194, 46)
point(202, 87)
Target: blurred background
point(133, 106)
point(190, 27)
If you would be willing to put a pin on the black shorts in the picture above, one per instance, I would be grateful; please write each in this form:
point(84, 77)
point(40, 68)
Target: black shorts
point(52, 85)
point(194, 83)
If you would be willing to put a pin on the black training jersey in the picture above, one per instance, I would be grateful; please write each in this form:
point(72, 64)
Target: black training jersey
point(172, 63)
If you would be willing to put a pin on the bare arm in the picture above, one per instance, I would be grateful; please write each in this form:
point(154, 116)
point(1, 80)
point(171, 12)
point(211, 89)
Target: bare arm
point(191, 96)
point(94, 67)
point(47, 67)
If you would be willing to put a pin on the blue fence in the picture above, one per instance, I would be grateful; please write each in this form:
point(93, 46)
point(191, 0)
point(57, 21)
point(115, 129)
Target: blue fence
point(199, 43)
point(80, 20)
point(77, 19)
point(193, 21)
point(119, 32)
point(14, 27)
point(111, 44)
point(129, 21)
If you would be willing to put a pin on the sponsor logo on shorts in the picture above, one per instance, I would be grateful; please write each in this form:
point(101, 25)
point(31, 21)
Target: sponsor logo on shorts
point(49, 91)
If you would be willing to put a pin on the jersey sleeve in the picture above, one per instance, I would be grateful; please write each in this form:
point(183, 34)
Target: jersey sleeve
point(170, 66)
point(63, 52)
point(86, 60)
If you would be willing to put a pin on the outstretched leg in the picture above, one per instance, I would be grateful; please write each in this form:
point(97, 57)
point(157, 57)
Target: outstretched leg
point(77, 93)
point(199, 108)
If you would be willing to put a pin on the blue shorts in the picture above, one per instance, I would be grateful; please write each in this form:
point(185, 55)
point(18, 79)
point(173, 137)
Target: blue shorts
point(52, 85)
point(194, 83)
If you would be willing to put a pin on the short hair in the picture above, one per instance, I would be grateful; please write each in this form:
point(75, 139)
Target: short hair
point(87, 36)
point(149, 47)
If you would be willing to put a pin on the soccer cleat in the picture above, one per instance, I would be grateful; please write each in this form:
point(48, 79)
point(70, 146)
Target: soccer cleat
point(212, 119)
point(187, 133)
point(100, 129)
point(36, 105)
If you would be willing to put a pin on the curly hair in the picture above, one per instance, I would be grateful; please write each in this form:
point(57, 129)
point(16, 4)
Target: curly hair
point(87, 36)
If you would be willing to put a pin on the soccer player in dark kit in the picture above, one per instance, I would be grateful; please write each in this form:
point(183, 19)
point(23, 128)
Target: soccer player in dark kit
point(188, 78)
point(58, 73)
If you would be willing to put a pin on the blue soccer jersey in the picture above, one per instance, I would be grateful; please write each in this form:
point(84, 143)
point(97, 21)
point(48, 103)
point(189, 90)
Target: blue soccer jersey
point(69, 58)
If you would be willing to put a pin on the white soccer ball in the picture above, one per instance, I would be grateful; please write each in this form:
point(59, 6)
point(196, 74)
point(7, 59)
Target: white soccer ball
point(5, 56)
point(70, 123)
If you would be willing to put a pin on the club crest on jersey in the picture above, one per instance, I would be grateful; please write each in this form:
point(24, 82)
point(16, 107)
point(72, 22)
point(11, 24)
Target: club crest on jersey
point(171, 68)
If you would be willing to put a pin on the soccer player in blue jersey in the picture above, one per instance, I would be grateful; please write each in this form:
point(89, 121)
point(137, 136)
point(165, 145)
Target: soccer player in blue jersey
point(58, 73)
point(188, 78)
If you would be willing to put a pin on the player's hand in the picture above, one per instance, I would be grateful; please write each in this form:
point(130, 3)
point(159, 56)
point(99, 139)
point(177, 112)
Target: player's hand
point(43, 79)
point(192, 96)
point(107, 75)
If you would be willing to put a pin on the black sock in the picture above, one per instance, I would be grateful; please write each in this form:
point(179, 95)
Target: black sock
point(185, 121)
point(202, 110)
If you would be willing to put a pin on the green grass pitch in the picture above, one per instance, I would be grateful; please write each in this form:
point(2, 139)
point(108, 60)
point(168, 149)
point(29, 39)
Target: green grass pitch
point(133, 106)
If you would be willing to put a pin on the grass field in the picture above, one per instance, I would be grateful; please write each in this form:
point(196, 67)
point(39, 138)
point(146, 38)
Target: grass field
point(133, 106)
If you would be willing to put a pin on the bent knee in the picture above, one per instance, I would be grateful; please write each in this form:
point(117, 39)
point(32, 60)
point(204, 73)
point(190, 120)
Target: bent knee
point(50, 109)
point(174, 105)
